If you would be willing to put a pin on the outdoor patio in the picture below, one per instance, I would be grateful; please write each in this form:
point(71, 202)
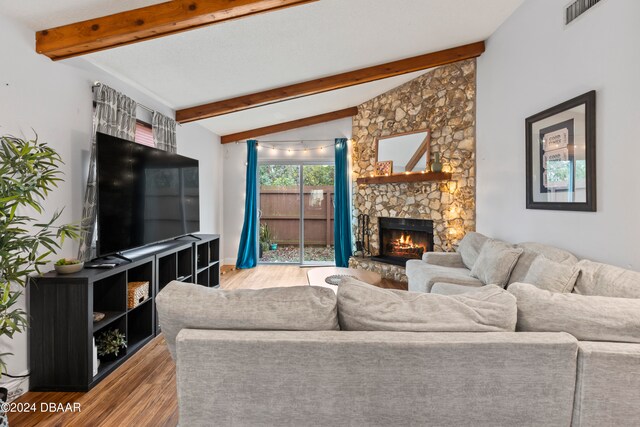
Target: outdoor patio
point(292, 254)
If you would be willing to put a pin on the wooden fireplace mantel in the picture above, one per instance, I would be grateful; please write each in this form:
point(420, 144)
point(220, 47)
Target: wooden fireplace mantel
point(405, 177)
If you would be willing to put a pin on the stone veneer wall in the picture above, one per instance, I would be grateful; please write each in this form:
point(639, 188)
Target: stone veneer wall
point(442, 100)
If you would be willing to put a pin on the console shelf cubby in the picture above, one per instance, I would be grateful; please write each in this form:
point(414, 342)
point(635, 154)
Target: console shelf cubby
point(61, 307)
point(207, 262)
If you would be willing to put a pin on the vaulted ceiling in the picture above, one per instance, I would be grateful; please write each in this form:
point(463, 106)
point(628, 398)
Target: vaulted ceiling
point(277, 48)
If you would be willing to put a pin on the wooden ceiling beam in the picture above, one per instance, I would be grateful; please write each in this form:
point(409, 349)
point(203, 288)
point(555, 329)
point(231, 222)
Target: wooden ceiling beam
point(325, 84)
point(146, 23)
point(294, 124)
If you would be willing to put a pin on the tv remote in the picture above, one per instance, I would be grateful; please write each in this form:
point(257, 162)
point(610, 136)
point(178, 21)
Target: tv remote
point(105, 265)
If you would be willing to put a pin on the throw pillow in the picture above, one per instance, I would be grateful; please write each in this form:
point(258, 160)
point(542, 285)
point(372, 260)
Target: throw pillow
point(607, 280)
point(495, 263)
point(363, 307)
point(531, 251)
point(551, 276)
point(299, 308)
point(588, 318)
point(469, 248)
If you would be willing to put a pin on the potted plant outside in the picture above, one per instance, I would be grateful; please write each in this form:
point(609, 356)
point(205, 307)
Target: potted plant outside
point(265, 237)
point(29, 170)
point(111, 344)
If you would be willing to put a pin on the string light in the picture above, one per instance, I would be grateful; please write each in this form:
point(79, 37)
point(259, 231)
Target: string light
point(304, 148)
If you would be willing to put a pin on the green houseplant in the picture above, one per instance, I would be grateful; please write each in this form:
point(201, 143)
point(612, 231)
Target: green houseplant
point(265, 238)
point(29, 170)
point(110, 343)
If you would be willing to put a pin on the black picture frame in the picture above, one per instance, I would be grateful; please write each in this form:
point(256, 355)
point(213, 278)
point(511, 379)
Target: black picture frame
point(559, 169)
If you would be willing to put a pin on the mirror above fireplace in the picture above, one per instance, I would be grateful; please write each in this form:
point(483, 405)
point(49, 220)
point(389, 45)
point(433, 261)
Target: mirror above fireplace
point(409, 151)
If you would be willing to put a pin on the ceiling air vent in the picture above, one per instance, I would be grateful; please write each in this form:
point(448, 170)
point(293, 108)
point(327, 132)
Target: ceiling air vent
point(577, 8)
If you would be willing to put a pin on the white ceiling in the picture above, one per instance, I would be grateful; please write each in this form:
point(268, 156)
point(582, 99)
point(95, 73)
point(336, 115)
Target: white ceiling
point(278, 48)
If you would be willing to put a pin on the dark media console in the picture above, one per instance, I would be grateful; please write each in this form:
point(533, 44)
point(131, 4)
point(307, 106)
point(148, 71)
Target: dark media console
point(61, 326)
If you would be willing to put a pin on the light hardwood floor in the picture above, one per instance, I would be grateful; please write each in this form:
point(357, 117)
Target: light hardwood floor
point(264, 276)
point(142, 392)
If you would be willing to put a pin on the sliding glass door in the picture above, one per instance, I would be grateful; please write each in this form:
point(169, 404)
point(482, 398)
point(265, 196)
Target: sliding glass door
point(317, 210)
point(296, 213)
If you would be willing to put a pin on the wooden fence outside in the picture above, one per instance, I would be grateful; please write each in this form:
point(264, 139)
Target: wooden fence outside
point(280, 210)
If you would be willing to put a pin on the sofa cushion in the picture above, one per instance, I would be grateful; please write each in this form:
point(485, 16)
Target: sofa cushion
point(422, 276)
point(362, 307)
point(551, 276)
point(443, 288)
point(495, 262)
point(299, 308)
point(531, 251)
point(607, 280)
point(470, 246)
point(590, 318)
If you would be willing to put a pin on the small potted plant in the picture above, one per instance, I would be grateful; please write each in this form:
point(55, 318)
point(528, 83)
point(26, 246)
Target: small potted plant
point(110, 345)
point(265, 237)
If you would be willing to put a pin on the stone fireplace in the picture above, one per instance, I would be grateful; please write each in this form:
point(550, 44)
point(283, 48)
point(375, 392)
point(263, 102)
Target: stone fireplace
point(402, 239)
point(442, 100)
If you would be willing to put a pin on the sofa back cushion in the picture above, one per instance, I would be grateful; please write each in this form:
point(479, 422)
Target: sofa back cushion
point(588, 318)
point(551, 276)
point(363, 307)
point(607, 280)
point(470, 246)
point(299, 308)
point(495, 263)
point(531, 250)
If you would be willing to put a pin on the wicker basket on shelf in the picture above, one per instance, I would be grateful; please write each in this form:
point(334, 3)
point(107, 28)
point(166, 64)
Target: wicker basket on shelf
point(137, 293)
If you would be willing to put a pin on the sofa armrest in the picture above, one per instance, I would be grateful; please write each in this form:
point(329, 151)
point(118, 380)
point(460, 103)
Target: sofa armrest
point(608, 384)
point(292, 378)
point(444, 259)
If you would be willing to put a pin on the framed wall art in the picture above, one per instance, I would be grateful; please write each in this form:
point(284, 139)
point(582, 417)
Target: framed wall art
point(561, 156)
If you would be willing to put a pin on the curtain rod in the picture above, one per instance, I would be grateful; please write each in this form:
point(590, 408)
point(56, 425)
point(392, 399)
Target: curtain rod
point(301, 141)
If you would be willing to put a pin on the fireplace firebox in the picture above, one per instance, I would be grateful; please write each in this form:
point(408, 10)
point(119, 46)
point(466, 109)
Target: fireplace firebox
point(402, 239)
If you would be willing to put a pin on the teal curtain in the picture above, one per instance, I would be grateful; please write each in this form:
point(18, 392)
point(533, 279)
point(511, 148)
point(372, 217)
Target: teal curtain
point(342, 207)
point(248, 251)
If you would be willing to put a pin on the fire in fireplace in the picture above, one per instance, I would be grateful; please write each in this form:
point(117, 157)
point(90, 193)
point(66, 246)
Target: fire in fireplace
point(402, 239)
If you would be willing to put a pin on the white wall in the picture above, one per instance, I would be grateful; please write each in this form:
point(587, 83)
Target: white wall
point(532, 63)
point(199, 143)
point(235, 157)
point(55, 100)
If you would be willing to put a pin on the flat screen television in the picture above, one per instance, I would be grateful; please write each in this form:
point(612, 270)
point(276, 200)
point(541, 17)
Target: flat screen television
point(145, 195)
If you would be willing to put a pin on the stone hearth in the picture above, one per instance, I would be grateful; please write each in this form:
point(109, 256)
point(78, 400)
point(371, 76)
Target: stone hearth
point(387, 271)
